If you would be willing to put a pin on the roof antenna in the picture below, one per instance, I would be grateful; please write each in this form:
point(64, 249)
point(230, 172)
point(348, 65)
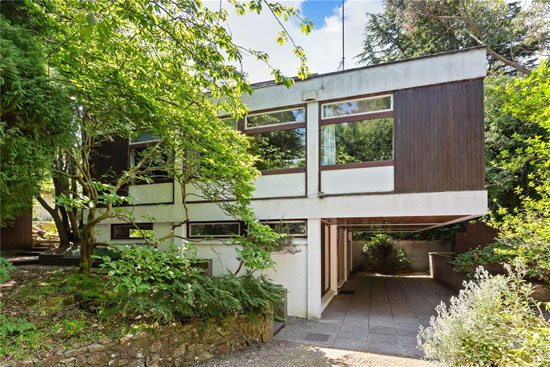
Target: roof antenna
point(343, 55)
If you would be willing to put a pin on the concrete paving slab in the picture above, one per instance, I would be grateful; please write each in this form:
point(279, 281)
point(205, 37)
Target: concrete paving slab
point(379, 314)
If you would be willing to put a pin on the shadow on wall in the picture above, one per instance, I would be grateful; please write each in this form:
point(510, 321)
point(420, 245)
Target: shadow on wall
point(417, 251)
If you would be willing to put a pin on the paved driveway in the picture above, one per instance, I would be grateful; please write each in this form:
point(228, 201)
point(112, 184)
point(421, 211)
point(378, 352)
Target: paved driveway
point(378, 314)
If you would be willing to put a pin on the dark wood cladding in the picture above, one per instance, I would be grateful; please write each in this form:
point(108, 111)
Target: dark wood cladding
point(17, 235)
point(110, 158)
point(438, 136)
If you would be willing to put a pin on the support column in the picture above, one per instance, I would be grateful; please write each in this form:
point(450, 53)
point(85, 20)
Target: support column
point(334, 258)
point(312, 149)
point(314, 268)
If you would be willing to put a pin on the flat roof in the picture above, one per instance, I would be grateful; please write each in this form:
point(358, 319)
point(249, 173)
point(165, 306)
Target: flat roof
point(269, 83)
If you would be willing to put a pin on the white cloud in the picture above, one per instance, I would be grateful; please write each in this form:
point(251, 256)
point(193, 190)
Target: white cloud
point(323, 46)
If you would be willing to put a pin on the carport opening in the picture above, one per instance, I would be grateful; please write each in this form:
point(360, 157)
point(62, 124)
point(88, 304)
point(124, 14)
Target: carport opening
point(385, 247)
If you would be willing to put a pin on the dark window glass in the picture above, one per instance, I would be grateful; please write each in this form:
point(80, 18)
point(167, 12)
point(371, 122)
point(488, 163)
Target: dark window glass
point(160, 160)
point(143, 138)
point(290, 228)
point(214, 229)
point(280, 149)
point(129, 231)
point(354, 107)
point(351, 142)
point(231, 122)
point(277, 117)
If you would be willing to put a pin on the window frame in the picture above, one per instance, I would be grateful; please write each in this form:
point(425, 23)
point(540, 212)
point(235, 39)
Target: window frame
point(141, 145)
point(189, 224)
point(279, 127)
point(354, 118)
point(131, 226)
point(343, 100)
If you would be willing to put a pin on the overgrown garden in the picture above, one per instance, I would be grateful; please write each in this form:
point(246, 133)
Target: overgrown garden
point(79, 75)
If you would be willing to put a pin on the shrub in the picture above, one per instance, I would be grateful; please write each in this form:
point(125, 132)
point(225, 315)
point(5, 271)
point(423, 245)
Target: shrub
point(493, 322)
point(5, 269)
point(166, 285)
point(382, 257)
point(536, 257)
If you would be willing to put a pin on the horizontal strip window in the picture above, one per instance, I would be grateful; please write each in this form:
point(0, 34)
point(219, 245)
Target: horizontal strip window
point(131, 231)
point(144, 138)
point(280, 149)
point(231, 122)
point(355, 142)
point(358, 106)
point(275, 118)
point(292, 228)
point(214, 229)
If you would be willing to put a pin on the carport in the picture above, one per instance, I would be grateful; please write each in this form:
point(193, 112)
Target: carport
point(373, 313)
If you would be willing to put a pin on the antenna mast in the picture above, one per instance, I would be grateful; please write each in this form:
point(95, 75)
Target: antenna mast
point(343, 54)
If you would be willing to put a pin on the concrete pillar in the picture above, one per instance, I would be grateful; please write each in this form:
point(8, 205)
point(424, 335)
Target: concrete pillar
point(314, 268)
point(333, 258)
point(312, 149)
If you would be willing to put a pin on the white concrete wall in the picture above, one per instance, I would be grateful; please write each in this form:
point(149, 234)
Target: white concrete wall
point(386, 77)
point(290, 184)
point(160, 193)
point(357, 180)
point(290, 271)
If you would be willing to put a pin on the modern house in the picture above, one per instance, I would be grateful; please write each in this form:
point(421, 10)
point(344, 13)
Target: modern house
point(391, 147)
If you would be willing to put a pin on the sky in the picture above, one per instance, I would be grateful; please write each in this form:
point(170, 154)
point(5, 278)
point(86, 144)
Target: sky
point(323, 46)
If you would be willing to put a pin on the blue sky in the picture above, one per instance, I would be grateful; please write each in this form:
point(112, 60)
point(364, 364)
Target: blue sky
point(317, 10)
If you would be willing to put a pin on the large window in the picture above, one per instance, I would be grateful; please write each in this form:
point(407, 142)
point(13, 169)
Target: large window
point(214, 229)
point(358, 131)
point(280, 149)
point(139, 148)
point(279, 139)
point(131, 231)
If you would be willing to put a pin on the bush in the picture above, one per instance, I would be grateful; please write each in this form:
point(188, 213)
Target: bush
point(493, 322)
point(5, 269)
point(535, 256)
point(382, 257)
point(166, 285)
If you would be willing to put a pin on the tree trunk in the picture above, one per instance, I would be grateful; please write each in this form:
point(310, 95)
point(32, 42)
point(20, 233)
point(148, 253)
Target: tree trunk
point(61, 229)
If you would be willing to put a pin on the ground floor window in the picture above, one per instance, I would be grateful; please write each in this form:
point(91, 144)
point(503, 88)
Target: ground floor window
point(292, 228)
point(131, 231)
point(214, 229)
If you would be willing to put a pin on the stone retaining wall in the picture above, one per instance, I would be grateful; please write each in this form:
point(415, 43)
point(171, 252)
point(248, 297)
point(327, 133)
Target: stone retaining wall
point(441, 269)
point(165, 346)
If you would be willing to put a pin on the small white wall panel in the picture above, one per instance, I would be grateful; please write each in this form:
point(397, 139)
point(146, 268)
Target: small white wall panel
point(152, 194)
point(357, 180)
point(290, 184)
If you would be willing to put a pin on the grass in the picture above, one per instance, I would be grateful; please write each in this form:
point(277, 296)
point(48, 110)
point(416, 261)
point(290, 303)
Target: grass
point(61, 309)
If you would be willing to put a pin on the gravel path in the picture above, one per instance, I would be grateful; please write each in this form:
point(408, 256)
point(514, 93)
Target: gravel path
point(288, 354)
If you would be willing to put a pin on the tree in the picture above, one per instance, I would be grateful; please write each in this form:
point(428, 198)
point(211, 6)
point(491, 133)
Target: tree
point(512, 34)
point(35, 118)
point(158, 67)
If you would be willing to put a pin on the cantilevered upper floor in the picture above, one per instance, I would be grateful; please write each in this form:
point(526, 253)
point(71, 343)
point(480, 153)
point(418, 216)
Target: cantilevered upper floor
point(397, 139)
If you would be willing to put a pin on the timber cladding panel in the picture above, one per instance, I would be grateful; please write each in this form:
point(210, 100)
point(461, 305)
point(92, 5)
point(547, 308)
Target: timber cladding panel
point(439, 138)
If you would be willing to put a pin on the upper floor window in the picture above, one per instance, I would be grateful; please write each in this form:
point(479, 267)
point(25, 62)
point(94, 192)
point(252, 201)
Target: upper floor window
point(357, 106)
point(231, 122)
point(139, 149)
point(281, 117)
point(357, 132)
point(279, 139)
